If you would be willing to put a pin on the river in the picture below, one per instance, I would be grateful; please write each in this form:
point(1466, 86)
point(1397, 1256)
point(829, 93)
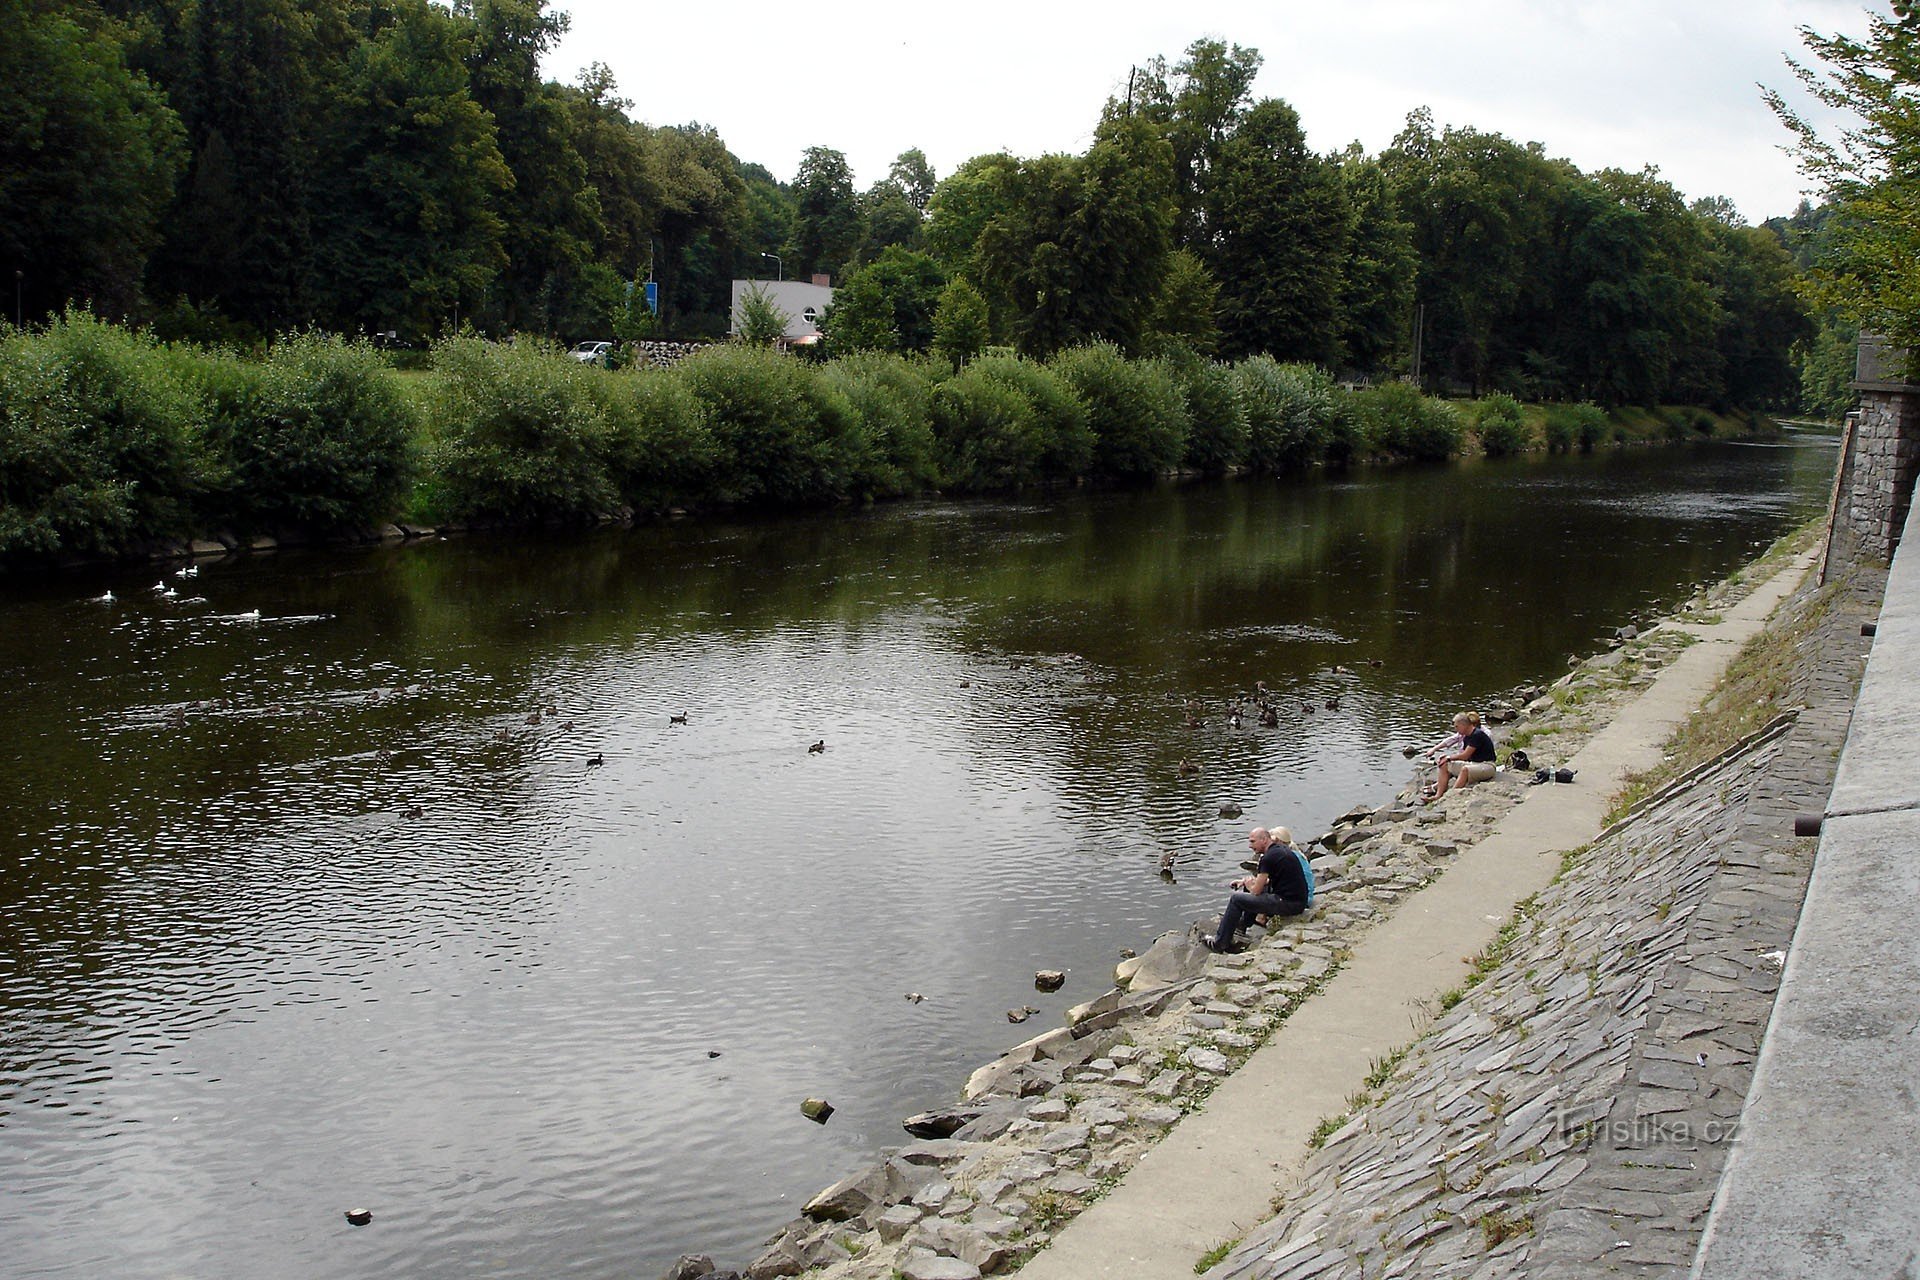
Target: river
point(301, 913)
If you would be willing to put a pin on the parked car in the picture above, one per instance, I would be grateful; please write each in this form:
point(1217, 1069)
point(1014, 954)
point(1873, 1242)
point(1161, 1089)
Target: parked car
point(592, 352)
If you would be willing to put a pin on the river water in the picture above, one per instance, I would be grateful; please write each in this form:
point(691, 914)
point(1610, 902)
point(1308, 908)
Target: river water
point(301, 914)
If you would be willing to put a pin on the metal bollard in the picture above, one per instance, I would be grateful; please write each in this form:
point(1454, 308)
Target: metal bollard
point(1808, 824)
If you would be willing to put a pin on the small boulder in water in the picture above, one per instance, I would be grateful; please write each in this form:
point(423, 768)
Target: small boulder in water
point(359, 1217)
point(1049, 979)
point(816, 1109)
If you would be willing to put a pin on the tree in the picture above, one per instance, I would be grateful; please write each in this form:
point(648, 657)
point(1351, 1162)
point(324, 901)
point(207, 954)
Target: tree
point(552, 213)
point(1377, 279)
point(887, 305)
point(89, 152)
point(1200, 108)
point(960, 329)
point(412, 227)
point(762, 322)
point(1870, 269)
point(887, 217)
point(1185, 312)
point(826, 219)
point(913, 175)
point(614, 151)
point(1281, 225)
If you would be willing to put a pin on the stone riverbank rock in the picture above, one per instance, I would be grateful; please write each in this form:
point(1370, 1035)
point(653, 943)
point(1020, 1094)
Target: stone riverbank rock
point(690, 1266)
point(1173, 958)
point(942, 1122)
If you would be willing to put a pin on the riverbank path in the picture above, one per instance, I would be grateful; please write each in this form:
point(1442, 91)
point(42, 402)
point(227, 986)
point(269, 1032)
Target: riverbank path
point(1213, 1177)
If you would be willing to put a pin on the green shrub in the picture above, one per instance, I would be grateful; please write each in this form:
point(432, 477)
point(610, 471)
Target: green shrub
point(1291, 410)
point(1502, 426)
point(1402, 423)
point(1584, 425)
point(783, 434)
point(100, 439)
point(659, 449)
point(986, 431)
point(1346, 432)
point(516, 433)
point(1134, 408)
point(1060, 418)
point(1216, 415)
point(317, 437)
point(893, 398)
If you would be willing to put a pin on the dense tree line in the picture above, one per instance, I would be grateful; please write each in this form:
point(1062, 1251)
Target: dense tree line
point(247, 167)
point(236, 168)
point(1201, 218)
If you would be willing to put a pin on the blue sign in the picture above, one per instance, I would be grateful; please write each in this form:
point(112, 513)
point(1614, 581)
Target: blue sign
point(653, 296)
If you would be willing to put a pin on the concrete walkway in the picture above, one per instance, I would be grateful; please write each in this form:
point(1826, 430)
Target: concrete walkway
point(1212, 1178)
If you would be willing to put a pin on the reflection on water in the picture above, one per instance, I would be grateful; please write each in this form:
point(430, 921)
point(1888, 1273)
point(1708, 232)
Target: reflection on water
point(328, 909)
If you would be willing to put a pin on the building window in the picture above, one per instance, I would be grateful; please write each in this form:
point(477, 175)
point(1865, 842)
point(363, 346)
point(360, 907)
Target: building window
point(811, 316)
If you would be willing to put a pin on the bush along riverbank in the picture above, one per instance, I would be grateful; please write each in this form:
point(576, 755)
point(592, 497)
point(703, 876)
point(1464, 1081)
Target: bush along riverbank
point(113, 444)
point(1055, 1122)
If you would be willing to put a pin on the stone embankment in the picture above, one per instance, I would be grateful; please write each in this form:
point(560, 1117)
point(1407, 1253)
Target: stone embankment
point(1570, 1109)
point(1054, 1123)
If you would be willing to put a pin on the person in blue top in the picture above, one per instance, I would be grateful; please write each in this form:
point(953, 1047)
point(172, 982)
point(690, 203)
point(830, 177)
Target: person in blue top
point(1282, 886)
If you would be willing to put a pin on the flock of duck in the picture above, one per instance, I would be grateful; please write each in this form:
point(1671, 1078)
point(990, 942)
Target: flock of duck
point(1262, 704)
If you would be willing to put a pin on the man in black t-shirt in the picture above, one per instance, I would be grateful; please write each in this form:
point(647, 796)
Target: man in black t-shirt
point(1278, 888)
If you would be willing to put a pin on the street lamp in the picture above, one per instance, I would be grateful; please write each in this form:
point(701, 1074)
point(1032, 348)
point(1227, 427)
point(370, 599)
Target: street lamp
point(779, 271)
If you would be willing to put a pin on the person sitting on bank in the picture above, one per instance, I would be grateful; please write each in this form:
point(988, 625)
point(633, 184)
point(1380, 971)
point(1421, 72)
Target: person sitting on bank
point(1471, 762)
point(1282, 886)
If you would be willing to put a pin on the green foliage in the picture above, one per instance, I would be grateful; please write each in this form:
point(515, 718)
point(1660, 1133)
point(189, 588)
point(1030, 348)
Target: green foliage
point(826, 220)
point(960, 327)
point(659, 448)
point(1216, 414)
point(1185, 310)
point(762, 322)
point(99, 440)
point(318, 437)
point(987, 432)
point(1870, 173)
point(1502, 426)
point(1283, 218)
point(893, 400)
point(1402, 423)
point(1291, 413)
point(783, 433)
point(1827, 365)
point(1060, 413)
point(89, 152)
point(887, 305)
point(516, 433)
point(1135, 409)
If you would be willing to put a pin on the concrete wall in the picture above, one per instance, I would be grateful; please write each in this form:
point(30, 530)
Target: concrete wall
point(1821, 1181)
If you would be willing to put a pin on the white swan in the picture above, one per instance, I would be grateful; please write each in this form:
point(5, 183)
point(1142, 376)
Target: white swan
point(191, 571)
point(105, 599)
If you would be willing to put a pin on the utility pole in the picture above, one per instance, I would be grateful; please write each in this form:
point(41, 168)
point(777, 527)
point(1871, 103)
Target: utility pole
point(1419, 339)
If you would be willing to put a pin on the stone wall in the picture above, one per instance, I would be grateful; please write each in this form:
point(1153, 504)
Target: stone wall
point(1877, 475)
point(664, 354)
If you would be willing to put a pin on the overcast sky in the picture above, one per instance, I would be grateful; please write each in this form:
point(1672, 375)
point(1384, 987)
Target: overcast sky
point(1622, 83)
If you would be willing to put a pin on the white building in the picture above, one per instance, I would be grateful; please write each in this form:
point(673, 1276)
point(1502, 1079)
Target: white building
point(803, 301)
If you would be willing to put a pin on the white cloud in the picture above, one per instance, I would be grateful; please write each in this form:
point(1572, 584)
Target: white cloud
point(1623, 84)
